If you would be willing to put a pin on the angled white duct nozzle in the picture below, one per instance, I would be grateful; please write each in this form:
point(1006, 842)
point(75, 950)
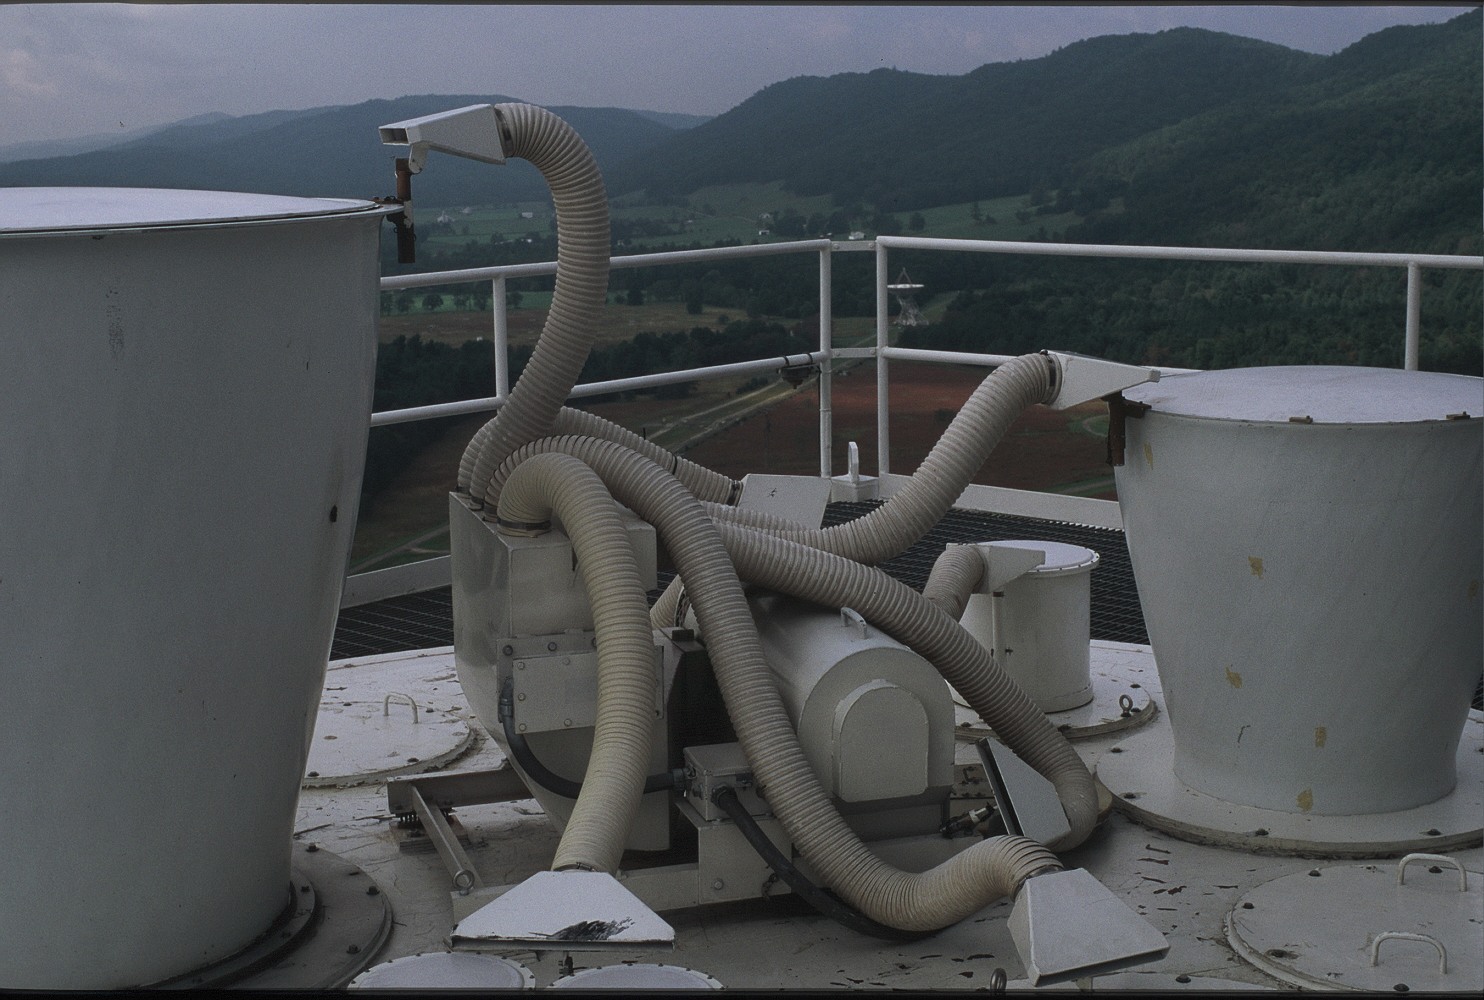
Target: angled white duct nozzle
point(569, 910)
point(1067, 924)
point(1080, 378)
point(473, 132)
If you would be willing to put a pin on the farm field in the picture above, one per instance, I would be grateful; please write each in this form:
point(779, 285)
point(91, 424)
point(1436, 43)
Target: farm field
point(732, 213)
point(618, 323)
point(1049, 450)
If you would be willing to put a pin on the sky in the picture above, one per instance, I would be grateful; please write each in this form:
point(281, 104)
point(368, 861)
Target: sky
point(78, 69)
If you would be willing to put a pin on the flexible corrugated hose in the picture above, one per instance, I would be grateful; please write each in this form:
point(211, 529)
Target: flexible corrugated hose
point(952, 579)
point(559, 485)
point(929, 900)
point(581, 203)
point(801, 559)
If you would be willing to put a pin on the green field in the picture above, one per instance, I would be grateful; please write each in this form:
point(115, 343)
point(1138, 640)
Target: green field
point(733, 213)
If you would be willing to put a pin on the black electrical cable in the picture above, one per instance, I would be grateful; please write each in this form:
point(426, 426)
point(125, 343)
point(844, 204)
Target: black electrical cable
point(544, 776)
point(821, 899)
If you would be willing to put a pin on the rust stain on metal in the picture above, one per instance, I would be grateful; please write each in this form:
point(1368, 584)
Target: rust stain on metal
point(1473, 589)
point(1306, 799)
point(1320, 735)
point(1233, 678)
point(1256, 563)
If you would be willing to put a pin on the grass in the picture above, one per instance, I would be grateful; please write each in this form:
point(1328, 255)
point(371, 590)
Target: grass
point(734, 212)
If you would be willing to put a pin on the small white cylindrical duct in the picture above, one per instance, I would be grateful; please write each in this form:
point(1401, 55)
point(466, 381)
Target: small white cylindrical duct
point(1042, 625)
point(1307, 546)
point(185, 393)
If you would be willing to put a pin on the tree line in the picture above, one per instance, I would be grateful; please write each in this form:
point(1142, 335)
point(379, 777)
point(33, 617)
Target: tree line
point(1191, 315)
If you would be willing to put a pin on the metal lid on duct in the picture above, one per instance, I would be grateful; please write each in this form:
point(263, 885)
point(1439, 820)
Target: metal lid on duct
point(42, 210)
point(446, 971)
point(1061, 558)
point(1314, 394)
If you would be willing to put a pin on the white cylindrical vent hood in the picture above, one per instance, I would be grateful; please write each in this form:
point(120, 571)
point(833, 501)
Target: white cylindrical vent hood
point(185, 395)
point(1307, 546)
point(1045, 624)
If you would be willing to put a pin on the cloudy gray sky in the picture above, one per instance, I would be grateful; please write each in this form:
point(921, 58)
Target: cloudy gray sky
point(77, 69)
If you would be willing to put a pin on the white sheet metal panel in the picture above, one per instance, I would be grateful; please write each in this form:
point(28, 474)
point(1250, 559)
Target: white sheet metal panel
point(1307, 548)
point(52, 211)
point(186, 394)
point(446, 971)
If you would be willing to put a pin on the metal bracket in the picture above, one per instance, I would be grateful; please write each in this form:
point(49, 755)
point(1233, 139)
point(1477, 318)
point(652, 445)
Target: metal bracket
point(465, 878)
point(1027, 802)
point(555, 680)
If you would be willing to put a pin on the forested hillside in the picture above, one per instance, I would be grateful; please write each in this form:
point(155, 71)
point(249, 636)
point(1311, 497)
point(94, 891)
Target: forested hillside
point(905, 140)
point(1379, 151)
point(1185, 136)
point(332, 152)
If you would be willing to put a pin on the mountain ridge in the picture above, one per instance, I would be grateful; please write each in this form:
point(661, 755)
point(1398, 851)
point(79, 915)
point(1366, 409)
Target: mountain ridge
point(1183, 135)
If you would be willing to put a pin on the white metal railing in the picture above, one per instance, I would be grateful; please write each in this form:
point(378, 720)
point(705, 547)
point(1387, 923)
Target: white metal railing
point(882, 352)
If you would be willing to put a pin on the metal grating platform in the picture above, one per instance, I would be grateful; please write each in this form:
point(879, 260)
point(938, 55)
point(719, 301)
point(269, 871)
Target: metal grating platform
point(425, 620)
point(1116, 613)
point(413, 621)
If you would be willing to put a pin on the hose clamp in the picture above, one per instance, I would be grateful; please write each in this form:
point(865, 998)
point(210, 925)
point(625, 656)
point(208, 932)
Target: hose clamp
point(522, 528)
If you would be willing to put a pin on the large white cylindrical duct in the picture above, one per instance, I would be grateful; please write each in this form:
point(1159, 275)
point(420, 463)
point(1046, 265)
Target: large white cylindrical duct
point(185, 395)
point(1307, 547)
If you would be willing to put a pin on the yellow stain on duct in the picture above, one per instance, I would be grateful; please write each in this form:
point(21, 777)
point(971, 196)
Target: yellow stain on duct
point(1306, 799)
point(1233, 678)
point(1320, 735)
point(1149, 454)
point(1256, 564)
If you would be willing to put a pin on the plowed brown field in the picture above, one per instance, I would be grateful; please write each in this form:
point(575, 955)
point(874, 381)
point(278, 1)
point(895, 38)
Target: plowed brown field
point(1061, 451)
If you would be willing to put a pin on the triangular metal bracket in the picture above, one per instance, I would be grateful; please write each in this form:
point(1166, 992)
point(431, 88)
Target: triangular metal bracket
point(1067, 925)
point(1027, 802)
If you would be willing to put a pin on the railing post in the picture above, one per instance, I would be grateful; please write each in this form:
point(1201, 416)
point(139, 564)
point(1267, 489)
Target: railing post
point(1414, 315)
point(826, 347)
point(502, 336)
point(883, 387)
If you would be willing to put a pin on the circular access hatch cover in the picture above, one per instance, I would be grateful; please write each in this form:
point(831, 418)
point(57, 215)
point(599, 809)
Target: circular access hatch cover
point(1417, 924)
